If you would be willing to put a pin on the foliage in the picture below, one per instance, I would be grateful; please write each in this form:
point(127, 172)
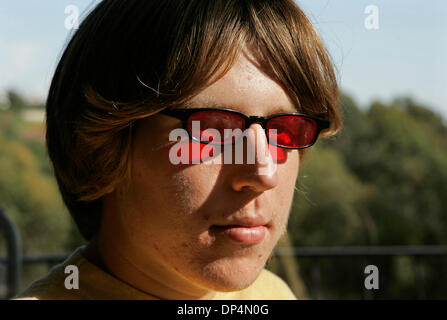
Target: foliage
point(28, 191)
point(380, 182)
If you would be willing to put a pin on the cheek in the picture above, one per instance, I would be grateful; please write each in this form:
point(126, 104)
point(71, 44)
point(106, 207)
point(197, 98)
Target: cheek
point(167, 196)
point(284, 192)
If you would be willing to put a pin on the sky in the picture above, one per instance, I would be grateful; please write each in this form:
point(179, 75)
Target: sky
point(397, 49)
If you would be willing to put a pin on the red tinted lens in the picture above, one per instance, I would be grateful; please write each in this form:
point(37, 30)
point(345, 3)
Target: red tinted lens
point(292, 131)
point(216, 126)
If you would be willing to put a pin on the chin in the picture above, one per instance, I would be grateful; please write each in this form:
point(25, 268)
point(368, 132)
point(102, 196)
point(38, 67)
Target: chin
point(232, 274)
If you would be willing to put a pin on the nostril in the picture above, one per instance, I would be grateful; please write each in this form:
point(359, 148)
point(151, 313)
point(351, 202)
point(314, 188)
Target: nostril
point(255, 182)
point(247, 189)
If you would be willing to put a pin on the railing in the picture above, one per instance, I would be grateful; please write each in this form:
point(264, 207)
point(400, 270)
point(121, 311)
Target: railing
point(364, 253)
point(14, 254)
point(15, 260)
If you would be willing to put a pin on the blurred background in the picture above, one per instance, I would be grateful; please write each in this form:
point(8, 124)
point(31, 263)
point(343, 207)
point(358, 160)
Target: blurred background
point(374, 195)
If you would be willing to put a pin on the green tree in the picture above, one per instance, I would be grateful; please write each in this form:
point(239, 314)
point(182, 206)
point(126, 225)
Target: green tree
point(28, 191)
point(16, 101)
point(381, 181)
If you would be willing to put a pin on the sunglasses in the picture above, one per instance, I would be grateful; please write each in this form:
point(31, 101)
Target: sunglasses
point(284, 130)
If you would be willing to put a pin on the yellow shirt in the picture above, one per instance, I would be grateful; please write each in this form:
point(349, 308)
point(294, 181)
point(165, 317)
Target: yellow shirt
point(96, 284)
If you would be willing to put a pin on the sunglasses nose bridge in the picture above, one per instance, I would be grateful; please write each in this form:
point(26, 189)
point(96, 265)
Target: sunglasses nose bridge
point(255, 119)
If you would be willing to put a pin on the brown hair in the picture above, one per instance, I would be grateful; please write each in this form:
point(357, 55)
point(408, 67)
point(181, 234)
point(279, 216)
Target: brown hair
point(130, 59)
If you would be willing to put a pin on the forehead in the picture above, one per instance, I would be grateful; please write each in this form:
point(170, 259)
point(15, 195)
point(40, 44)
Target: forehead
point(247, 88)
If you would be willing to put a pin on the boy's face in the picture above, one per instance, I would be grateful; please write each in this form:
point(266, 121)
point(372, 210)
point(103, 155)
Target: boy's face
point(174, 214)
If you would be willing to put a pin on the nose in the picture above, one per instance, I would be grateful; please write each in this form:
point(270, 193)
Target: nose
point(258, 172)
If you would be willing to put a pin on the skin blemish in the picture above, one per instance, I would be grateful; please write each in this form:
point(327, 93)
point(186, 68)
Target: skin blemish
point(206, 239)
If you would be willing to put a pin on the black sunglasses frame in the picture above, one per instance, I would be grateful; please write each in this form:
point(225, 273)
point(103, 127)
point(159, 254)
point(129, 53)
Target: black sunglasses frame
point(184, 114)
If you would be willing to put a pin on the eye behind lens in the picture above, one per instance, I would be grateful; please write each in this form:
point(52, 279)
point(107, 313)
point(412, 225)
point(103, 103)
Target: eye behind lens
point(216, 126)
point(292, 131)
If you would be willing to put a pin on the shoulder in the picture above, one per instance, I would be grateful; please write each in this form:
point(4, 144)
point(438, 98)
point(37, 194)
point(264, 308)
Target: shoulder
point(51, 286)
point(93, 284)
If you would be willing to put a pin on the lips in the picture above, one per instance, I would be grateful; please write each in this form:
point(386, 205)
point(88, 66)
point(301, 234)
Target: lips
point(245, 235)
point(247, 222)
point(250, 231)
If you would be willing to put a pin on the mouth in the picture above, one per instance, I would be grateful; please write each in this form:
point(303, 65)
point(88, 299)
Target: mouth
point(242, 234)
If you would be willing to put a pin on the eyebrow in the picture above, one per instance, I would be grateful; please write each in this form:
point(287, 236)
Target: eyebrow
point(212, 104)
